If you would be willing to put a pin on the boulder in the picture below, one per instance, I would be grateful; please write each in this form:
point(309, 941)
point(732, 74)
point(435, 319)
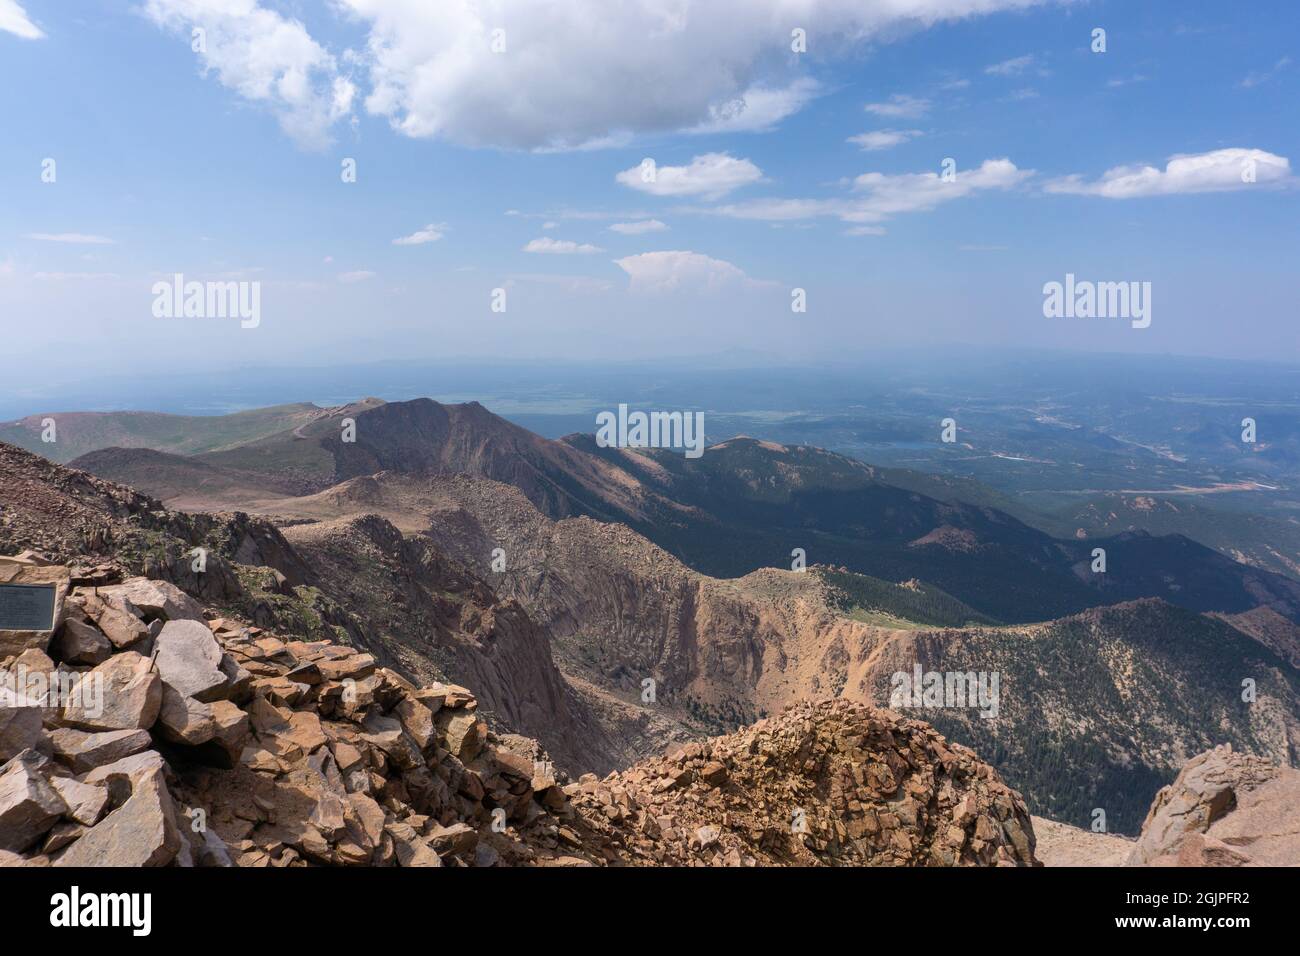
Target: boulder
point(220, 727)
point(20, 729)
point(417, 720)
point(86, 803)
point(124, 693)
point(463, 733)
point(184, 720)
point(143, 831)
point(157, 599)
point(387, 734)
point(83, 752)
point(189, 659)
point(79, 642)
point(123, 628)
point(29, 805)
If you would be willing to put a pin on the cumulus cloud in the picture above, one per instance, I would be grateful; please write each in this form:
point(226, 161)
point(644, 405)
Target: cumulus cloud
point(883, 138)
point(678, 270)
point(571, 73)
point(76, 238)
point(638, 228)
point(430, 233)
point(710, 176)
point(360, 275)
point(900, 105)
point(1220, 170)
point(885, 196)
point(560, 247)
point(265, 58)
point(14, 19)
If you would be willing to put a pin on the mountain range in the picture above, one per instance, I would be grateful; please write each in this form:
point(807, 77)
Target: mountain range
point(558, 578)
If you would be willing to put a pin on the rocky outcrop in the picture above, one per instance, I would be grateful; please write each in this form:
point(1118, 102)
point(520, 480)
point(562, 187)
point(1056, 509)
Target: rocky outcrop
point(228, 745)
point(1224, 809)
point(834, 783)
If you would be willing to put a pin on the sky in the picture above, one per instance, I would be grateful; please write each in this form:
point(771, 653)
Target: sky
point(650, 180)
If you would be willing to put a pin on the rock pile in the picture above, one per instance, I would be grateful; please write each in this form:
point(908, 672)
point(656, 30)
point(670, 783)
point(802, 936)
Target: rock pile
point(833, 783)
point(142, 734)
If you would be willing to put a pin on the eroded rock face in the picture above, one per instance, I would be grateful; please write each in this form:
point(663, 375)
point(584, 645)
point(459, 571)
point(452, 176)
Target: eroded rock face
point(1224, 809)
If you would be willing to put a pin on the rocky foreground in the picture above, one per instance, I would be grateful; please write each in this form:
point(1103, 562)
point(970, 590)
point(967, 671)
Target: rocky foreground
point(216, 743)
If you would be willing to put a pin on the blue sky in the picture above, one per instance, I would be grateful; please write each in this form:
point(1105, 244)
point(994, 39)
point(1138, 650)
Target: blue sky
point(775, 170)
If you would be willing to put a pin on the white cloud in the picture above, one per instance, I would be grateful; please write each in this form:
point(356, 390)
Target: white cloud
point(360, 275)
point(758, 109)
point(560, 247)
point(1220, 170)
point(14, 19)
point(573, 71)
point(711, 176)
point(884, 138)
point(676, 270)
point(890, 195)
point(1013, 67)
point(881, 197)
point(638, 228)
point(266, 59)
point(865, 231)
point(430, 233)
point(900, 105)
point(77, 238)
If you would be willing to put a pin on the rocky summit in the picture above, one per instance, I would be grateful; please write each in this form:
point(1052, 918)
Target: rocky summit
point(146, 730)
point(832, 783)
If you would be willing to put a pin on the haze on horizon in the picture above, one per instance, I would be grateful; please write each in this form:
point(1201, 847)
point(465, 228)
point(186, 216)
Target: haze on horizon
point(521, 169)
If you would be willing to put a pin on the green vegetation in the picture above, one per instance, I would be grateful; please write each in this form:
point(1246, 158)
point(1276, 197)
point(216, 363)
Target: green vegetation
point(1102, 709)
point(910, 605)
